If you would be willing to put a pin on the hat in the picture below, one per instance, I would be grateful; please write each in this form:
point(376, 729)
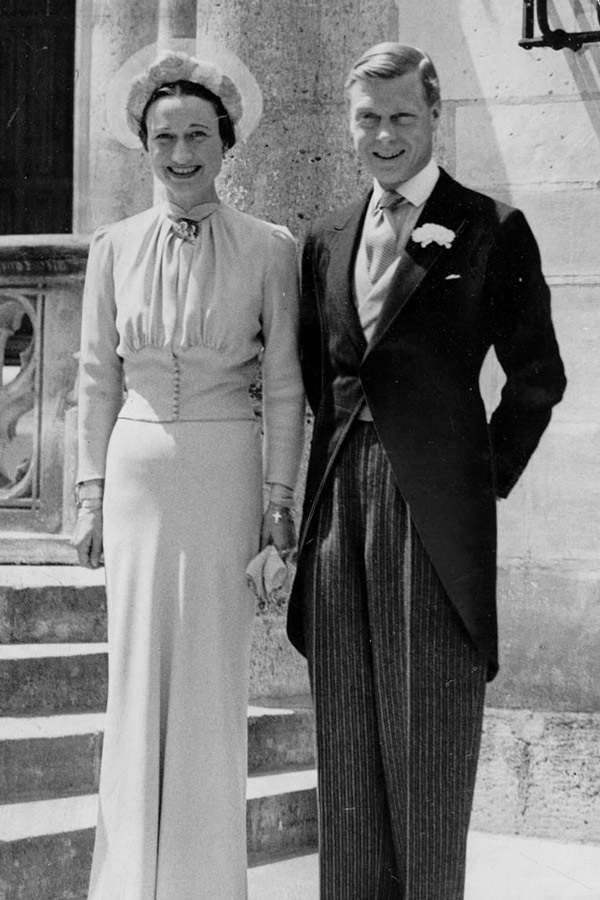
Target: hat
point(208, 64)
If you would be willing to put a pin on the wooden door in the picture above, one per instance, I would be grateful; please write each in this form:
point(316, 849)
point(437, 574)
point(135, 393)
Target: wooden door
point(37, 40)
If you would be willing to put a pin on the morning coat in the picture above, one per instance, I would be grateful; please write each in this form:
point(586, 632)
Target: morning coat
point(446, 307)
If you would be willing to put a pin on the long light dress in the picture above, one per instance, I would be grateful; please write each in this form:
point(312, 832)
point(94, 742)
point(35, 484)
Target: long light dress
point(181, 326)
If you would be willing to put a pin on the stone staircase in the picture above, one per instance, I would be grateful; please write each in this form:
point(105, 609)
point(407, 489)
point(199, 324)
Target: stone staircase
point(538, 775)
point(53, 681)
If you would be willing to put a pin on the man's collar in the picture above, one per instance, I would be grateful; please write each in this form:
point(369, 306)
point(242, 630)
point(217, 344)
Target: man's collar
point(417, 189)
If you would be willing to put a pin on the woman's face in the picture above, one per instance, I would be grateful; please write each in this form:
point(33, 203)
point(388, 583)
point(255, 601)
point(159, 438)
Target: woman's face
point(185, 148)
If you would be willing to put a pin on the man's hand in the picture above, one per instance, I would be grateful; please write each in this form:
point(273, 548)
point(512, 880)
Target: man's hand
point(278, 528)
point(87, 538)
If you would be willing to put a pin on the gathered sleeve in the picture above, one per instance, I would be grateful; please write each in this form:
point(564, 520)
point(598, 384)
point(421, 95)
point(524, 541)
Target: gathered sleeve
point(283, 394)
point(100, 367)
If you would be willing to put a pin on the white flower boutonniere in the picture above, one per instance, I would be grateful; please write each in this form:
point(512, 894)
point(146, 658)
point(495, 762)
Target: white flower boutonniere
point(431, 233)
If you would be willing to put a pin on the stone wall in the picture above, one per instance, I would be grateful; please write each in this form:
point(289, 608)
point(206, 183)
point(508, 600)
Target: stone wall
point(297, 164)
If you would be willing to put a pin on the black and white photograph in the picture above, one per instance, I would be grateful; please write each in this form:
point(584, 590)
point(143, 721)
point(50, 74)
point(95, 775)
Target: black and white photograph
point(299, 441)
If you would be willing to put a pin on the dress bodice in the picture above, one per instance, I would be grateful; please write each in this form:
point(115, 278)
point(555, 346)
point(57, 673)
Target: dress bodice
point(175, 295)
point(181, 326)
point(188, 385)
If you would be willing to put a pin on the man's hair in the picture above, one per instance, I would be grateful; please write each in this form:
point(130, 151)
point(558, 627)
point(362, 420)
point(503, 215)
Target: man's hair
point(391, 60)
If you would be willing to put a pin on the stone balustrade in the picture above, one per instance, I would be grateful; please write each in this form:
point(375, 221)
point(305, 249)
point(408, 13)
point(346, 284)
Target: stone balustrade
point(41, 282)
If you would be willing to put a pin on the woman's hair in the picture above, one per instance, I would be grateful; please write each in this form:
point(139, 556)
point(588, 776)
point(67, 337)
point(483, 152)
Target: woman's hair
point(391, 60)
point(189, 89)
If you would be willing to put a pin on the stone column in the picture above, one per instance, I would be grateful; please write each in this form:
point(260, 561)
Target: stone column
point(111, 181)
point(299, 163)
point(176, 19)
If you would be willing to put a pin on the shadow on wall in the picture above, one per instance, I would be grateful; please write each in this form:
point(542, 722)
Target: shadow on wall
point(468, 144)
point(585, 68)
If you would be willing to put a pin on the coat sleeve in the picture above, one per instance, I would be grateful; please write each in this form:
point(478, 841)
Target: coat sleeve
point(283, 394)
point(310, 327)
point(100, 367)
point(526, 348)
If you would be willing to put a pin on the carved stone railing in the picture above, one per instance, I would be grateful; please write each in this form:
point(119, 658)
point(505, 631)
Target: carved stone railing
point(41, 282)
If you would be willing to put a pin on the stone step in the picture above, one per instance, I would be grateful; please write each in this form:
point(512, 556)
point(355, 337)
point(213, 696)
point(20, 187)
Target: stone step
point(50, 757)
point(51, 604)
point(282, 813)
point(67, 604)
point(53, 678)
point(281, 738)
point(46, 849)
point(41, 679)
point(59, 756)
point(46, 846)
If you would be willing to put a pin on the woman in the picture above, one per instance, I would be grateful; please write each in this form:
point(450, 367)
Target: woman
point(180, 301)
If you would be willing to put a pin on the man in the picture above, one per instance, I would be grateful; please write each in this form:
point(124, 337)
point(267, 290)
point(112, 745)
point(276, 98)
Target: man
point(394, 600)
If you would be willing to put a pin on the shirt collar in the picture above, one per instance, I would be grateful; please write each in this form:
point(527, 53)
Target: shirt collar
point(417, 189)
point(198, 212)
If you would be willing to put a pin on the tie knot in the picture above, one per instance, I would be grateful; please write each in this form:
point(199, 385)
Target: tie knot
point(187, 229)
point(390, 200)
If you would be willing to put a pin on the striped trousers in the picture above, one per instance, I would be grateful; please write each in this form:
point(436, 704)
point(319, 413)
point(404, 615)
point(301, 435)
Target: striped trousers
point(398, 689)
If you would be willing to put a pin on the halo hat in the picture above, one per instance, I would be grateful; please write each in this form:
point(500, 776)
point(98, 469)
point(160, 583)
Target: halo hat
point(208, 64)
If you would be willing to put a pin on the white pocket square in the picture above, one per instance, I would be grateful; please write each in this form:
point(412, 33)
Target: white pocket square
point(451, 277)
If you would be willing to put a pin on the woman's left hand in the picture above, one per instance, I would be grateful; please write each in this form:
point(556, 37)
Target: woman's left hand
point(278, 528)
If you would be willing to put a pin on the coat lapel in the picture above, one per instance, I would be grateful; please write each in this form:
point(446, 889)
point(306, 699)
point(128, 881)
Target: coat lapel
point(443, 208)
point(343, 244)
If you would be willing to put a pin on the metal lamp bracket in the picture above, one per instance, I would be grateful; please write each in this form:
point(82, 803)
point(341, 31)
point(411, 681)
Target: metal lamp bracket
point(557, 38)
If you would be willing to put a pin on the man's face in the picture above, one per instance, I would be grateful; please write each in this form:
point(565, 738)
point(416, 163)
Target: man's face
point(392, 127)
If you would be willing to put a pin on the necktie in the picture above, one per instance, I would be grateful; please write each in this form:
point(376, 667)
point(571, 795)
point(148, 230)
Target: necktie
point(382, 237)
point(186, 229)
